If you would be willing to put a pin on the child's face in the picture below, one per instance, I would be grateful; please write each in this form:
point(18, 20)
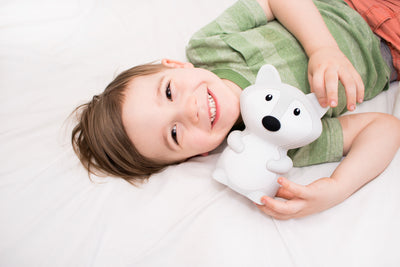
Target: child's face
point(169, 116)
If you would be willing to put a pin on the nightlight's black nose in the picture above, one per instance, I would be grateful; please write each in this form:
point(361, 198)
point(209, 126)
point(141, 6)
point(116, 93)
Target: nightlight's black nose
point(271, 123)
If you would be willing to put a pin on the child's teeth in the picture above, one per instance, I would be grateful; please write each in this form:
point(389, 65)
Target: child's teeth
point(213, 109)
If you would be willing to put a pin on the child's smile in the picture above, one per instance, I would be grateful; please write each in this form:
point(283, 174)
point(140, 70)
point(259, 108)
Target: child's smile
point(213, 108)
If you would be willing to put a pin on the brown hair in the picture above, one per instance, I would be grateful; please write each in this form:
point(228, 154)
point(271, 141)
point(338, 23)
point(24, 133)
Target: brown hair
point(99, 138)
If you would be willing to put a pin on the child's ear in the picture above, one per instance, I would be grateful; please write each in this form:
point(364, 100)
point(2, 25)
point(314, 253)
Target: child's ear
point(176, 64)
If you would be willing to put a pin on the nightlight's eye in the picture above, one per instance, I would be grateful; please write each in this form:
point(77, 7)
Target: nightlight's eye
point(296, 111)
point(268, 97)
point(168, 92)
point(174, 135)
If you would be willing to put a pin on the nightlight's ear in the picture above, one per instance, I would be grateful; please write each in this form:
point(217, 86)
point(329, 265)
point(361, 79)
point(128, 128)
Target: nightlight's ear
point(314, 101)
point(268, 75)
point(175, 63)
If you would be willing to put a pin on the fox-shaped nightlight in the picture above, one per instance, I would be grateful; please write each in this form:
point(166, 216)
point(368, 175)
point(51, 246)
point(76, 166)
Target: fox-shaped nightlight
point(277, 117)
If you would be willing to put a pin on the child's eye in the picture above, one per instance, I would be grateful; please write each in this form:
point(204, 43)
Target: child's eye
point(168, 92)
point(174, 135)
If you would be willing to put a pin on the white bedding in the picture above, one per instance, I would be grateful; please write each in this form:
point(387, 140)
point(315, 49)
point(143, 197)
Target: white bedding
point(54, 56)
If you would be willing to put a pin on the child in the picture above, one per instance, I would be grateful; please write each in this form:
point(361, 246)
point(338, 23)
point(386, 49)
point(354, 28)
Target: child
point(154, 115)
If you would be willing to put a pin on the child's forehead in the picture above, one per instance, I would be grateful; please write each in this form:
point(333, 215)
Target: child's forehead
point(146, 80)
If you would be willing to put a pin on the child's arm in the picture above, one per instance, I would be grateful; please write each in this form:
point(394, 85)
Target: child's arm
point(327, 64)
point(370, 142)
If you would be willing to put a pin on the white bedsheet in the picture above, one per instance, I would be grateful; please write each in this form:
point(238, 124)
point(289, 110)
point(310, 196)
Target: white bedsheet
point(54, 56)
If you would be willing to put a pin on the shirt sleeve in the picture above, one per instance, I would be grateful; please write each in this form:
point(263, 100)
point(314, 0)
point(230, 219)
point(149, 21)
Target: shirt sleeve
point(221, 45)
point(241, 16)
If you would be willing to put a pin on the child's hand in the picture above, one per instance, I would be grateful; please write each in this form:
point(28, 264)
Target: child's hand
point(302, 200)
point(326, 67)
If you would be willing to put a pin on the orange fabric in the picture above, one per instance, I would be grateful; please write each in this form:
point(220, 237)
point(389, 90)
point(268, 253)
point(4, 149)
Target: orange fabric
point(383, 16)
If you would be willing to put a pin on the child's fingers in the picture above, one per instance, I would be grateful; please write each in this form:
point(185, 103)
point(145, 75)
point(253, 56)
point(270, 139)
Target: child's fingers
point(281, 209)
point(317, 85)
point(351, 91)
point(358, 83)
point(284, 193)
point(299, 191)
point(360, 88)
point(354, 88)
point(331, 86)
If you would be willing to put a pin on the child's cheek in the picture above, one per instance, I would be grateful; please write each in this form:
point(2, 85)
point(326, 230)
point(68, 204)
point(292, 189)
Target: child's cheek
point(205, 142)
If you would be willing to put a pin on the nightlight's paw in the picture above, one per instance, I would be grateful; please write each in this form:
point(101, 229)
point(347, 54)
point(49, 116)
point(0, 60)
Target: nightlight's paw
point(256, 197)
point(280, 166)
point(220, 176)
point(235, 141)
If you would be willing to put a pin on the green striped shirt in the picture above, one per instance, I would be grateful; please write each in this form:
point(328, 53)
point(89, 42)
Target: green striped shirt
point(237, 43)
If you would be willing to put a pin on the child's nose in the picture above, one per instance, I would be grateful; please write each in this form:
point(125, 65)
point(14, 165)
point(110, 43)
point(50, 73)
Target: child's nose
point(190, 109)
